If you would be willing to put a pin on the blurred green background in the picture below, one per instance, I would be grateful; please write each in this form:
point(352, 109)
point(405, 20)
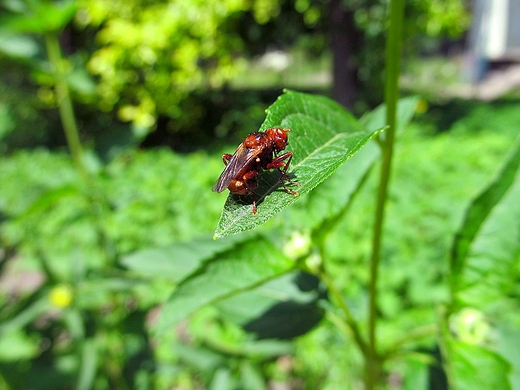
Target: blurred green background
point(158, 91)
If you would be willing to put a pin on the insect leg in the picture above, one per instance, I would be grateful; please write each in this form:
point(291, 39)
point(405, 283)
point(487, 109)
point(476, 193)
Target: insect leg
point(282, 165)
point(225, 158)
point(251, 183)
point(278, 162)
point(254, 203)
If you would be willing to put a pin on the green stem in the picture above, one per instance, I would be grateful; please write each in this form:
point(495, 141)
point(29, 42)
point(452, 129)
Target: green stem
point(349, 318)
point(444, 336)
point(373, 367)
point(64, 101)
point(414, 334)
point(72, 134)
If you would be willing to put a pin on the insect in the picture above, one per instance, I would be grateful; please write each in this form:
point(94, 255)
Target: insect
point(257, 152)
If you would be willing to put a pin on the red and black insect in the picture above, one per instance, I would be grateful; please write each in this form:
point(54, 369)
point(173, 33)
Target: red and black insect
point(257, 152)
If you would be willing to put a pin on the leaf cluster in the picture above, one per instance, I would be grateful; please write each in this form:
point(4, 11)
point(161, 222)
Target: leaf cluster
point(479, 285)
point(121, 245)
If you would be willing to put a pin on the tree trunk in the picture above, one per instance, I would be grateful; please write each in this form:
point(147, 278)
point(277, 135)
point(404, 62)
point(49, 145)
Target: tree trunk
point(345, 42)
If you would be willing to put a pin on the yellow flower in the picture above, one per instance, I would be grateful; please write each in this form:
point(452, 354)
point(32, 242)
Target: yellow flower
point(61, 296)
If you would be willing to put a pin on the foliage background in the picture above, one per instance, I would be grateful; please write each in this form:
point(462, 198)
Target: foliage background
point(160, 91)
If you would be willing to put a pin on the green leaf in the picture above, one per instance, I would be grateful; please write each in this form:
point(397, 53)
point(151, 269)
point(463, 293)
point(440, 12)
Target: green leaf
point(475, 367)
point(180, 260)
point(201, 358)
point(249, 305)
point(49, 199)
point(89, 361)
point(267, 349)
point(222, 380)
point(508, 345)
point(326, 205)
point(491, 271)
point(329, 200)
point(25, 316)
point(416, 376)
point(283, 308)
point(376, 119)
point(487, 246)
point(323, 136)
point(7, 123)
point(251, 376)
point(15, 345)
point(247, 266)
point(41, 17)
point(17, 46)
point(80, 82)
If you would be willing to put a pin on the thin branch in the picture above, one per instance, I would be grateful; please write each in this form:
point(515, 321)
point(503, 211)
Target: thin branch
point(64, 101)
point(349, 318)
point(393, 65)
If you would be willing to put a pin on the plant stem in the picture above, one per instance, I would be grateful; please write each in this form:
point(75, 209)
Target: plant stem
point(64, 101)
point(350, 322)
point(373, 367)
point(444, 336)
point(72, 134)
point(414, 334)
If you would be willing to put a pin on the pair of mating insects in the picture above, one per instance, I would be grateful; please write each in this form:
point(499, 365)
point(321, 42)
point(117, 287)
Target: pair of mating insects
point(257, 152)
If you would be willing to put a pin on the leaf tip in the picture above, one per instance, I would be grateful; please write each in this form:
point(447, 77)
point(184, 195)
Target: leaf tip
point(380, 131)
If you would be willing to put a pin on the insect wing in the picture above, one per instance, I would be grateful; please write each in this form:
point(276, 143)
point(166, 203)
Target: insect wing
point(242, 157)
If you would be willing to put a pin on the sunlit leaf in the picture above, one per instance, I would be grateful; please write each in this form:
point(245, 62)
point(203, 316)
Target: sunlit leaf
point(50, 198)
point(323, 136)
point(221, 379)
point(486, 249)
point(40, 17)
point(248, 305)
point(179, 260)
point(475, 367)
point(416, 376)
point(283, 308)
point(246, 266)
point(251, 375)
point(328, 202)
point(491, 270)
point(17, 46)
point(508, 345)
point(89, 361)
point(15, 345)
point(376, 118)
point(81, 83)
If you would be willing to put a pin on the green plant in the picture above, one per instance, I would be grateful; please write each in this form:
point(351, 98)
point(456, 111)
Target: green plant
point(460, 328)
point(222, 273)
point(106, 244)
point(151, 56)
point(31, 33)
